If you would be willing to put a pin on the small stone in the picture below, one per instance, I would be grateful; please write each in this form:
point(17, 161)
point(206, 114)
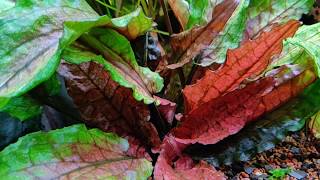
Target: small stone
point(248, 170)
point(295, 150)
point(298, 174)
point(259, 177)
point(268, 167)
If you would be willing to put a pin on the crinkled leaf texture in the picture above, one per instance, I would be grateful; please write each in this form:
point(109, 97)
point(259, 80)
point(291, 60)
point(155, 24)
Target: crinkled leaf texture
point(246, 61)
point(103, 103)
point(263, 134)
point(222, 116)
point(184, 168)
point(264, 14)
point(226, 115)
point(221, 33)
point(30, 40)
point(34, 33)
point(22, 107)
point(72, 153)
point(120, 62)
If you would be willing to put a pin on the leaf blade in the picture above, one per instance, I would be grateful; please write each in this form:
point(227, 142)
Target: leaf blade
point(73, 146)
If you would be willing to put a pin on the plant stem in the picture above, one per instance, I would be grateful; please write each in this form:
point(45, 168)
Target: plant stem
point(166, 16)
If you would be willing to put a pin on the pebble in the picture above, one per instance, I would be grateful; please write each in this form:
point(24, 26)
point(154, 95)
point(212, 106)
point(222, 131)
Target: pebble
point(298, 174)
point(248, 170)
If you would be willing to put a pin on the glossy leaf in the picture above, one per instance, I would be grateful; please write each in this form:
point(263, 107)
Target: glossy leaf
point(73, 152)
point(122, 65)
point(263, 134)
point(304, 42)
point(228, 19)
point(103, 103)
point(46, 31)
point(264, 14)
point(133, 24)
point(191, 13)
point(173, 165)
point(228, 38)
point(120, 62)
point(246, 61)
point(22, 107)
point(39, 32)
point(6, 4)
point(226, 115)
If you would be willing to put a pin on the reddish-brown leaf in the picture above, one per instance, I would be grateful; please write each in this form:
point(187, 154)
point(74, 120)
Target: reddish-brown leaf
point(167, 109)
point(168, 168)
point(227, 114)
point(192, 42)
point(248, 60)
point(105, 104)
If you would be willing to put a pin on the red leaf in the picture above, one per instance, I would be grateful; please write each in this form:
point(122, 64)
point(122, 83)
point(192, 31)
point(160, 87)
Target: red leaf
point(167, 109)
point(105, 104)
point(184, 166)
point(227, 114)
point(192, 42)
point(248, 60)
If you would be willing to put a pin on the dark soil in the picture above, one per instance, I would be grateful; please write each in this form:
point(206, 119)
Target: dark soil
point(299, 154)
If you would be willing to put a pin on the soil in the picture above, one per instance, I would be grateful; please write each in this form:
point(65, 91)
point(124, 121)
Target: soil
point(298, 156)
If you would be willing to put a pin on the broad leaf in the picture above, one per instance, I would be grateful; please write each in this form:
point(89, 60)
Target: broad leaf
point(119, 61)
point(263, 134)
point(305, 42)
point(103, 103)
point(228, 38)
point(226, 115)
point(314, 125)
point(22, 108)
point(122, 65)
point(12, 128)
point(191, 13)
point(264, 14)
point(133, 24)
point(48, 27)
point(30, 40)
point(6, 4)
point(249, 60)
point(173, 165)
point(228, 20)
point(73, 152)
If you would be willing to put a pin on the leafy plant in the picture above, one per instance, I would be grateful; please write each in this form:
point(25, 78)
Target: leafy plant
point(279, 173)
point(226, 64)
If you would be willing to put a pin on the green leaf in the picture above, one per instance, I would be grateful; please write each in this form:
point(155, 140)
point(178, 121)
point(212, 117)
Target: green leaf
point(228, 38)
point(6, 4)
point(191, 13)
point(119, 60)
point(263, 14)
point(73, 152)
point(132, 25)
point(264, 133)
point(34, 33)
point(22, 107)
point(302, 48)
point(314, 125)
